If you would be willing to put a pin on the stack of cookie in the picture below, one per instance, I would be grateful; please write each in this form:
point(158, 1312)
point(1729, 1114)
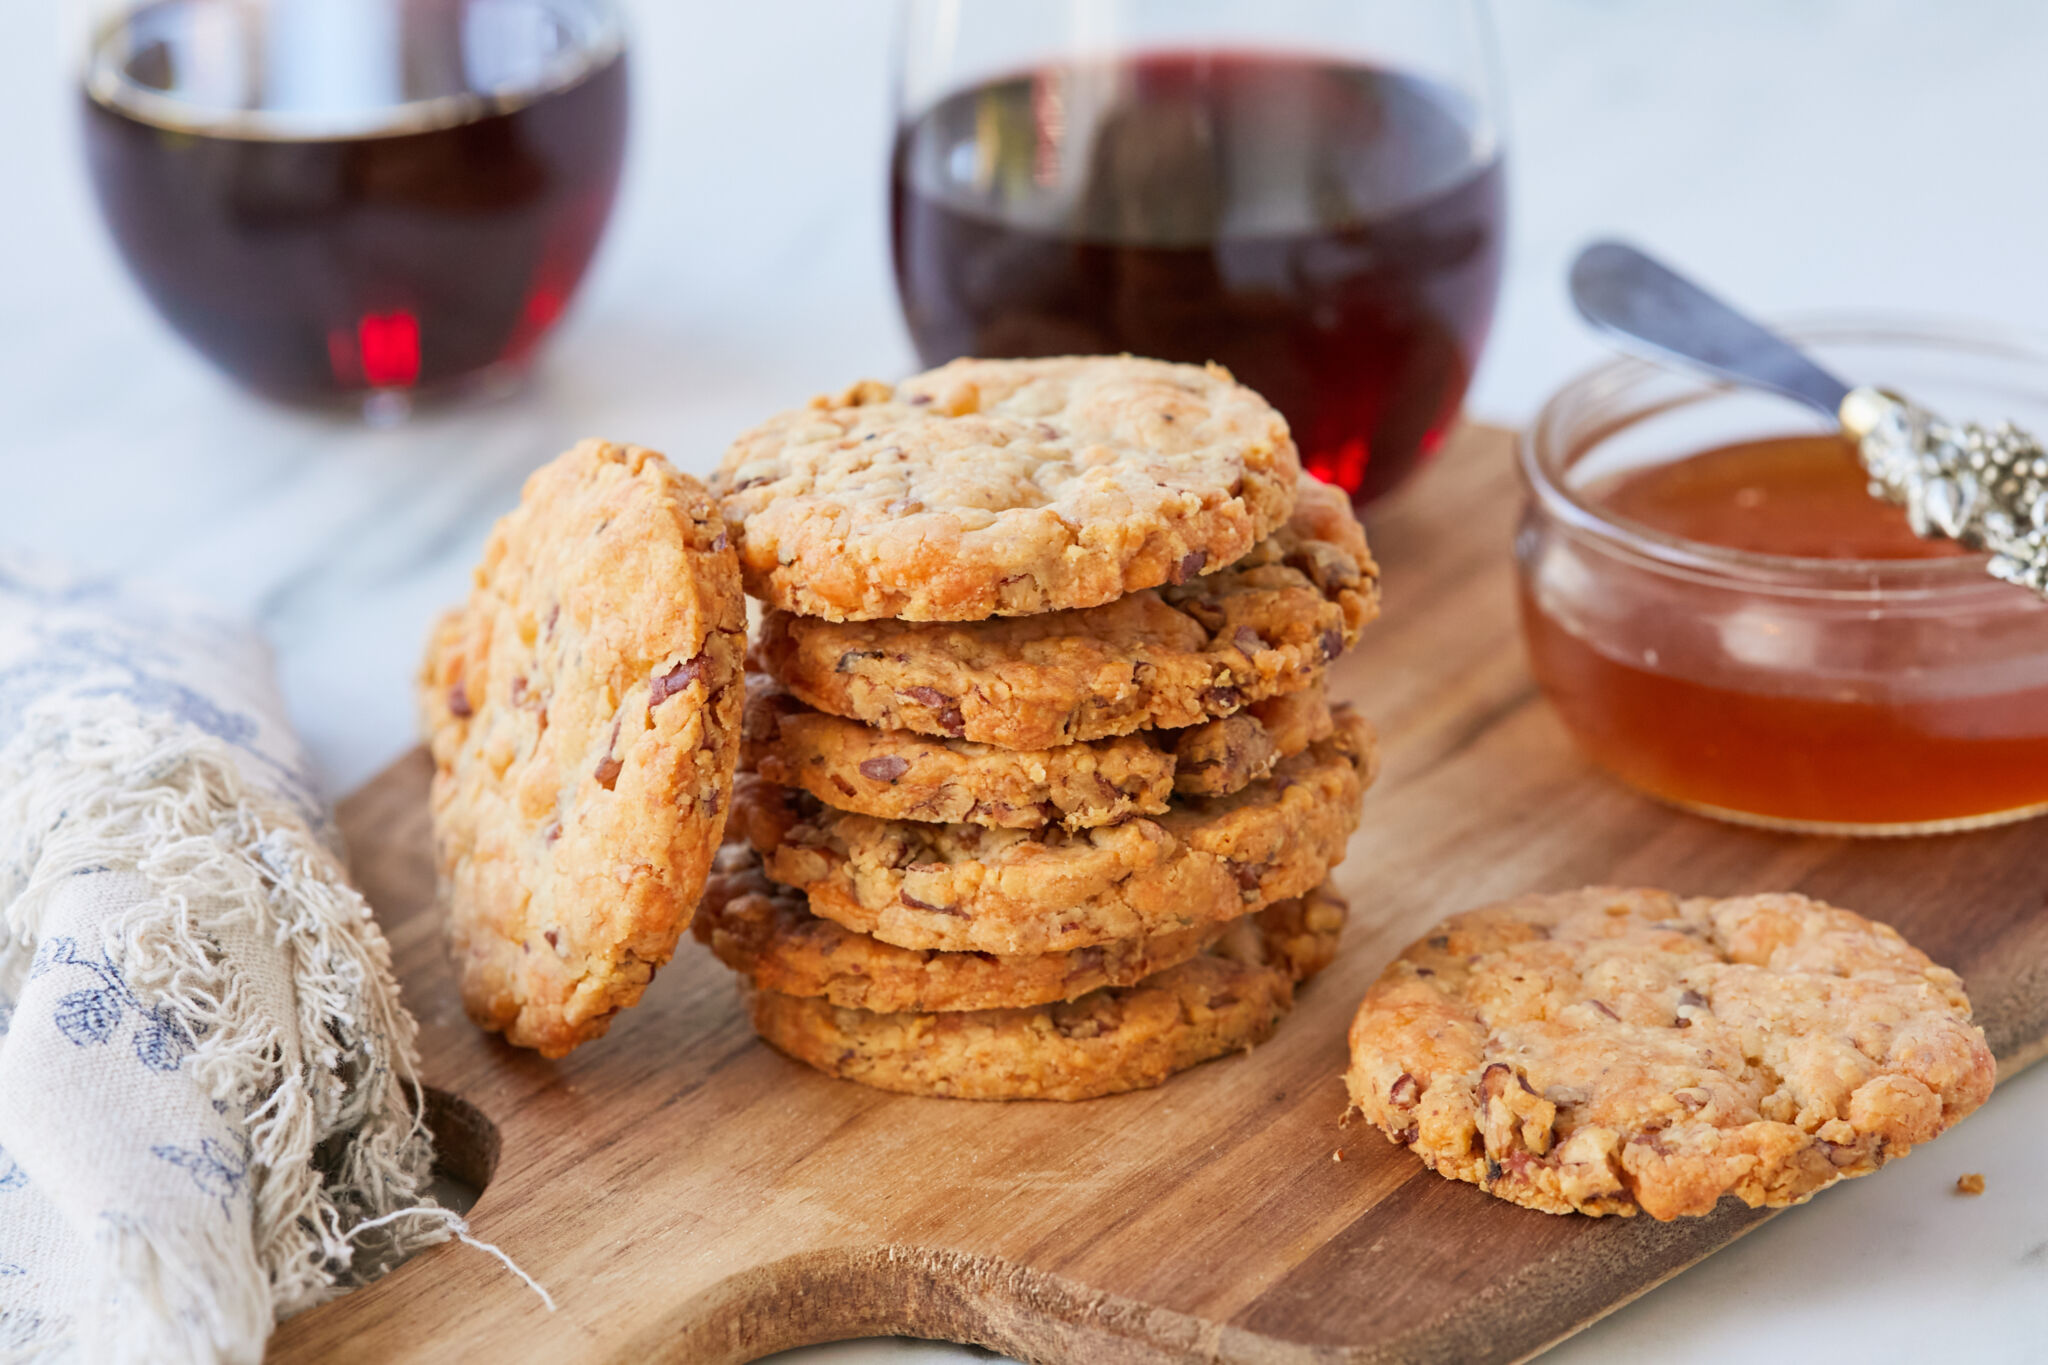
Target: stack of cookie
point(1039, 783)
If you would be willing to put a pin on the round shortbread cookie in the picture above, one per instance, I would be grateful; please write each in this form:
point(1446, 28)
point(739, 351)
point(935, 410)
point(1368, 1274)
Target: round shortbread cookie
point(1165, 658)
point(1005, 488)
point(767, 933)
point(968, 888)
point(1610, 1049)
point(901, 775)
point(1108, 1041)
point(583, 710)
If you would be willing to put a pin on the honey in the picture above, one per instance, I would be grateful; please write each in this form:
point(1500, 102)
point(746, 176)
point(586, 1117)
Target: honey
point(1802, 495)
point(1742, 630)
point(1806, 761)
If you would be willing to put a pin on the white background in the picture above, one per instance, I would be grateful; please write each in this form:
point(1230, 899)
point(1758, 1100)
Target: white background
point(1796, 153)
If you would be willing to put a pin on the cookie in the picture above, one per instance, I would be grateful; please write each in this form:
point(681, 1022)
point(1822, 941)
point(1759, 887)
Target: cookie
point(968, 888)
point(900, 775)
point(768, 934)
point(583, 710)
point(1608, 1050)
point(1165, 658)
point(1005, 488)
point(1108, 1041)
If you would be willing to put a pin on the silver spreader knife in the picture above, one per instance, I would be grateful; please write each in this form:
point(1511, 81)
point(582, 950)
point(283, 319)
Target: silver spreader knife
point(1986, 488)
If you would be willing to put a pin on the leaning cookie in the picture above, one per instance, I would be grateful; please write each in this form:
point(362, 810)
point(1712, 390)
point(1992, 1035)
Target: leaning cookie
point(1609, 1050)
point(901, 775)
point(1160, 659)
point(968, 888)
point(1108, 1041)
point(767, 933)
point(583, 710)
point(1005, 487)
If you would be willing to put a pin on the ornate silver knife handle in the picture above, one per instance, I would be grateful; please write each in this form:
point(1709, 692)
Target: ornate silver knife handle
point(1986, 488)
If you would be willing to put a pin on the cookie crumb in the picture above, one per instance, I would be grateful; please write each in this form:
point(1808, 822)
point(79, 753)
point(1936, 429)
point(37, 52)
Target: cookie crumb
point(1971, 1184)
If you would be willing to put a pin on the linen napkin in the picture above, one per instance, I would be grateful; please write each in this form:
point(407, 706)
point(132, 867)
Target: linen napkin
point(206, 1077)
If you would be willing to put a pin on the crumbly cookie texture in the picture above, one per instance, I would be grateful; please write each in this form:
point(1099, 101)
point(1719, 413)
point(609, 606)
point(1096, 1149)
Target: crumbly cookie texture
point(901, 775)
point(1608, 1050)
point(968, 888)
point(1165, 658)
point(1005, 488)
point(1108, 1041)
point(768, 934)
point(583, 710)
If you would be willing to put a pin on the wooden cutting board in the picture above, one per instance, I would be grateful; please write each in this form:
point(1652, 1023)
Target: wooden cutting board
point(690, 1195)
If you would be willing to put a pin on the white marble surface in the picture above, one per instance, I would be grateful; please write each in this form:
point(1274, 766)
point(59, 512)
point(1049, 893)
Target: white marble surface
point(1813, 154)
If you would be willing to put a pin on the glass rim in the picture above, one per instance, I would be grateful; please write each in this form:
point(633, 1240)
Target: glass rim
point(1561, 429)
point(598, 45)
point(1487, 94)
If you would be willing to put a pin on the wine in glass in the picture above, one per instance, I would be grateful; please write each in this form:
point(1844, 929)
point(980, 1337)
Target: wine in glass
point(1308, 191)
point(357, 200)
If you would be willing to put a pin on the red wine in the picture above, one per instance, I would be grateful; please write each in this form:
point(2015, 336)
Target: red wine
point(1331, 233)
point(332, 198)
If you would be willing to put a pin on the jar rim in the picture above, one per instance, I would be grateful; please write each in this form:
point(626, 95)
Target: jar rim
point(1560, 431)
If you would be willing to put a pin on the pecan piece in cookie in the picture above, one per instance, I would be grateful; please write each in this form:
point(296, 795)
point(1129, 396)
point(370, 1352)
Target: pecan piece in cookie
point(1110, 1040)
point(1164, 658)
point(1609, 1050)
point(583, 709)
point(1005, 488)
point(1222, 756)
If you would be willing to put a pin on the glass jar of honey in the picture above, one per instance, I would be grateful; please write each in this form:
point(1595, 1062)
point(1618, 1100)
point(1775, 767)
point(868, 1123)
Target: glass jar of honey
point(1723, 619)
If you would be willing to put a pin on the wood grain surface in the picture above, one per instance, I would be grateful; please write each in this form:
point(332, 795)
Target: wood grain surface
point(688, 1194)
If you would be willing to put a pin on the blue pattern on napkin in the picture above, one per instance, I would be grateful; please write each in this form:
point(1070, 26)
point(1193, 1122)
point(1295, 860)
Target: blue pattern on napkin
point(211, 1165)
point(90, 1017)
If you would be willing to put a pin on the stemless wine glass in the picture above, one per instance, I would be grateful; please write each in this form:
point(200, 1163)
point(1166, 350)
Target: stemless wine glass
point(357, 200)
point(1308, 191)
